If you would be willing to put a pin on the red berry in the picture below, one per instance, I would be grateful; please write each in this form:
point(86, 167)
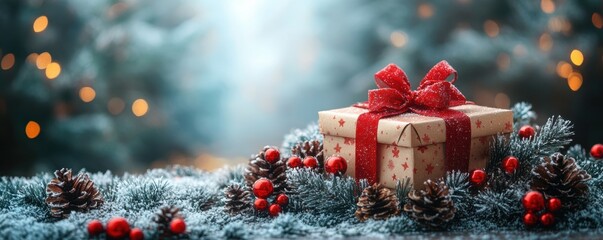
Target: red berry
point(260, 204)
point(272, 155)
point(527, 131)
point(530, 219)
point(310, 162)
point(95, 227)
point(336, 165)
point(510, 164)
point(597, 151)
point(553, 204)
point(533, 201)
point(478, 177)
point(177, 226)
point(294, 162)
point(118, 227)
point(263, 188)
point(274, 210)
point(547, 219)
point(136, 234)
point(282, 199)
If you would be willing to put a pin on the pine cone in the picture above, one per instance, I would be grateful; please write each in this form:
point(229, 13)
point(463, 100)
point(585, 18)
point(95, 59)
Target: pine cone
point(163, 220)
point(311, 148)
point(433, 206)
point(498, 181)
point(260, 168)
point(559, 176)
point(237, 199)
point(377, 202)
point(65, 194)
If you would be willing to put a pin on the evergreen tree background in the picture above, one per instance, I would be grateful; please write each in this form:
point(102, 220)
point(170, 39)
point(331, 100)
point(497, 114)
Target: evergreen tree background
point(225, 78)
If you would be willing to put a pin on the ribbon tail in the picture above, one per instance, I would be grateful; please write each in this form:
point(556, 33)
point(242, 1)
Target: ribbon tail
point(458, 137)
point(366, 147)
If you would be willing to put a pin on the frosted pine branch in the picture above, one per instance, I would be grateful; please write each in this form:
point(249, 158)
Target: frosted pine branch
point(522, 114)
point(554, 135)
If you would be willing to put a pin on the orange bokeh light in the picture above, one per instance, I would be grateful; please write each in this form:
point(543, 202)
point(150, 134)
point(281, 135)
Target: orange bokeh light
point(32, 129)
point(140, 107)
point(8, 61)
point(40, 24)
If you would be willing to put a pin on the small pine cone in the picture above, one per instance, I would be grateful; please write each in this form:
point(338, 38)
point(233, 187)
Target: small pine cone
point(163, 220)
point(311, 148)
point(65, 194)
point(433, 206)
point(377, 202)
point(559, 176)
point(498, 181)
point(258, 168)
point(237, 199)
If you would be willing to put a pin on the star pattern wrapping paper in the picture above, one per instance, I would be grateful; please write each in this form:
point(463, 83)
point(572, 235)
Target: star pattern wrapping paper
point(411, 145)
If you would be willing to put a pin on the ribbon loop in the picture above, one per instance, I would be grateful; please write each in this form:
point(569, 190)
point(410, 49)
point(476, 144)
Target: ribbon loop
point(393, 77)
point(439, 72)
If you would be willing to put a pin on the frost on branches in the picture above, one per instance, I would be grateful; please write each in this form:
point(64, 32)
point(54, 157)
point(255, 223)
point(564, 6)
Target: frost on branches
point(320, 205)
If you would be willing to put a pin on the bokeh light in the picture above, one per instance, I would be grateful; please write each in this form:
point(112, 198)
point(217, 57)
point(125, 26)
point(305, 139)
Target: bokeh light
point(545, 42)
point(87, 94)
point(503, 61)
point(425, 10)
point(597, 20)
point(574, 81)
point(115, 105)
point(564, 69)
point(491, 28)
point(398, 39)
point(53, 70)
point(577, 57)
point(32, 129)
point(8, 61)
point(40, 24)
point(32, 57)
point(43, 60)
point(547, 6)
point(140, 107)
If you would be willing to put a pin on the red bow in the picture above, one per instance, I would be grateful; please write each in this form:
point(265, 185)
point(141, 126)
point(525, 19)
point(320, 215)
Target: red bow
point(433, 98)
point(434, 93)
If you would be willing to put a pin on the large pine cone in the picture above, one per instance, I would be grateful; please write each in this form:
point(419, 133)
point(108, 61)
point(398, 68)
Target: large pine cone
point(163, 220)
point(65, 194)
point(377, 202)
point(559, 176)
point(311, 148)
point(260, 168)
point(433, 206)
point(237, 199)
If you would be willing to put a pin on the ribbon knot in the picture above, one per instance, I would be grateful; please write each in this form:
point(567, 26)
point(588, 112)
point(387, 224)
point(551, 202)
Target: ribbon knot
point(395, 96)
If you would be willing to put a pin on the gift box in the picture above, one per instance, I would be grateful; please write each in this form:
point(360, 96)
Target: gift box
point(390, 144)
point(411, 145)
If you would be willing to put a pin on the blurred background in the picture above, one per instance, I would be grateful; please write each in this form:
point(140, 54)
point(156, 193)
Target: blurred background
point(126, 85)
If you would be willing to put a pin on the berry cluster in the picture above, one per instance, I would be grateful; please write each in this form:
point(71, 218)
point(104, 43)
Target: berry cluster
point(539, 211)
point(119, 228)
point(262, 190)
point(335, 164)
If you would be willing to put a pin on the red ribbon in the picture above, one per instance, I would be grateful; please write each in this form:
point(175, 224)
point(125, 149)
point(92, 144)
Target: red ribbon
point(433, 98)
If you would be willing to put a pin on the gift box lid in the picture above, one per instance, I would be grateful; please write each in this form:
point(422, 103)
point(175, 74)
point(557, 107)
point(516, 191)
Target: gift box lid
point(411, 129)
